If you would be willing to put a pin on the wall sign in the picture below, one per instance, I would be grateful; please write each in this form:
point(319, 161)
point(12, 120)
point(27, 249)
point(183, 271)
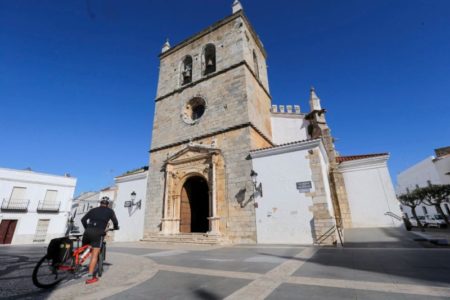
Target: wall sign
point(304, 186)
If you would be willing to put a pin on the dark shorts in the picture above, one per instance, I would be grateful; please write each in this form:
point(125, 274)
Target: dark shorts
point(93, 237)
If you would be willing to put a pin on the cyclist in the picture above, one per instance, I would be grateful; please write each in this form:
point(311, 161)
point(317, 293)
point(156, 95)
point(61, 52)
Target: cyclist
point(95, 223)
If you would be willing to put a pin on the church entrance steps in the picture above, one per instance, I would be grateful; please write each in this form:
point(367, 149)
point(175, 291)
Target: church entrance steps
point(186, 238)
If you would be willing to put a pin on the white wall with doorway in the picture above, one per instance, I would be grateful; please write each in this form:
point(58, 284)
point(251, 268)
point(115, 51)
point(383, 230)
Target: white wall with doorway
point(38, 203)
point(370, 192)
point(131, 219)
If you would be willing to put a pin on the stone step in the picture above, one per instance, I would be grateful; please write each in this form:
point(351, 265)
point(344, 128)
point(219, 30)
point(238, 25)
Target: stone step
point(192, 238)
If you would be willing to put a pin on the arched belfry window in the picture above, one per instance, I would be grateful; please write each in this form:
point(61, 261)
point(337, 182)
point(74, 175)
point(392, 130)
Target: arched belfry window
point(255, 64)
point(186, 70)
point(209, 55)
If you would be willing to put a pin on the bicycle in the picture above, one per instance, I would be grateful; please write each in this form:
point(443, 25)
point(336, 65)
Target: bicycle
point(50, 271)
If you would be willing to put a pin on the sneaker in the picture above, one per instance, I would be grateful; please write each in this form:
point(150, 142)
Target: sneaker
point(91, 280)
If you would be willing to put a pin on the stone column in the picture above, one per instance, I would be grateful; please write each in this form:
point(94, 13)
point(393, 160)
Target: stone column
point(324, 223)
point(214, 219)
point(165, 226)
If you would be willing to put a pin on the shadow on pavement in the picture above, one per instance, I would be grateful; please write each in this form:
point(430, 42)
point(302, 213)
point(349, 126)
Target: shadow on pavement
point(16, 267)
point(391, 256)
point(205, 295)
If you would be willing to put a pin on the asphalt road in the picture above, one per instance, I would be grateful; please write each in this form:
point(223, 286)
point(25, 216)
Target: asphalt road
point(16, 266)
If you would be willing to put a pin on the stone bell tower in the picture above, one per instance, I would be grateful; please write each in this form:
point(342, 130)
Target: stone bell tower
point(212, 107)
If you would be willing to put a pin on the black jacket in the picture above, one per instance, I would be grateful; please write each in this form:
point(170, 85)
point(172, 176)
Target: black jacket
point(99, 217)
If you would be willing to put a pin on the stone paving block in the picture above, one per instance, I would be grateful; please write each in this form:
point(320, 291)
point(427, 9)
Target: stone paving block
point(300, 292)
point(171, 285)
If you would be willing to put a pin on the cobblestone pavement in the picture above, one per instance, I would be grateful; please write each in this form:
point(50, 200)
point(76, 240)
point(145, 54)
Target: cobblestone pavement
point(406, 269)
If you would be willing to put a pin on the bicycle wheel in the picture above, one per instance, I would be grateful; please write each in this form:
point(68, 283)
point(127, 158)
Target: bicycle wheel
point(101, 258)
point(45, 275)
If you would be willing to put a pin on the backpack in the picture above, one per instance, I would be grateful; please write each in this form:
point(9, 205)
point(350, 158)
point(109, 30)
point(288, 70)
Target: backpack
point(59, 249)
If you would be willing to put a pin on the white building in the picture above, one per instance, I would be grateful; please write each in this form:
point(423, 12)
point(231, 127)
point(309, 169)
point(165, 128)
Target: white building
point(434, 170)
point(127, 198)
point(129, 204)
point(296, 193)
point(35, 206)
point(370, 192)
point(88, 200)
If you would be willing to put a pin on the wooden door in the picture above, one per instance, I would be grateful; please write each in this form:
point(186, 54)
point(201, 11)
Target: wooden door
point(7, 228)
point(185, 212)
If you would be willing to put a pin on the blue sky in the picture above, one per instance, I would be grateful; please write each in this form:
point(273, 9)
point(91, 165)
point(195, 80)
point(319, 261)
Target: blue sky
point(78, 78)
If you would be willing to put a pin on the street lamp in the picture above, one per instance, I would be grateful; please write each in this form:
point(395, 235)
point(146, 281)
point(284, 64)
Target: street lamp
point(256, 187)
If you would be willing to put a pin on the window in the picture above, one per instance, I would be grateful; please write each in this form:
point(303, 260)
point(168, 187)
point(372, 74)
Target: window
point(50, 197)
point(193, 110)
point(41, 230)
point(186, 70)
point(209, 59)
point(18, 194)
point(425, 212)
point(255, 64)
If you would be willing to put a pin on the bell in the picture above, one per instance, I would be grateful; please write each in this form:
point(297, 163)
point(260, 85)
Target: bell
point(209, 63)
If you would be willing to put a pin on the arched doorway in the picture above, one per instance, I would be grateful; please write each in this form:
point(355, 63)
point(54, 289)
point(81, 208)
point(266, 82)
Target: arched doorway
point(194, 205)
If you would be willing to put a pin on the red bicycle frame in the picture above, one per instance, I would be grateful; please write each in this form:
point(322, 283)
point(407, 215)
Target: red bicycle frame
point(77, 259)
point(77, 254)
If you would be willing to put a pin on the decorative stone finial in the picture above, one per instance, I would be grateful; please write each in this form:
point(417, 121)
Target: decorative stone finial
point(166, 46)
point(314, 101)
point(237, 6)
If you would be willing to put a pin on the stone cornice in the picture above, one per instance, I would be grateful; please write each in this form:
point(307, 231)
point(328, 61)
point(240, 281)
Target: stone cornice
point(43, 182)
point(363, 164)
point(131, 177)
point(194, 83)
point(236, 127)
point(214, 27)
point(291, 147)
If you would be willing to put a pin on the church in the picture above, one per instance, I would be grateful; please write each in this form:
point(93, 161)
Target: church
point(227, 166)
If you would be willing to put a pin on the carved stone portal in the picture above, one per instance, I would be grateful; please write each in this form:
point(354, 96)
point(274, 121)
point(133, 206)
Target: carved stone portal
point(193, 177)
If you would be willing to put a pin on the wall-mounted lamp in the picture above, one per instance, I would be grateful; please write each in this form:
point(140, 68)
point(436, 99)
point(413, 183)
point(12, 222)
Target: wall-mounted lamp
point(132, 202)
point(256, 187)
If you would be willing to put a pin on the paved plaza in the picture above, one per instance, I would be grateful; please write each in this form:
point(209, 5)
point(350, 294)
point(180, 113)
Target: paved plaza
point(374, 264)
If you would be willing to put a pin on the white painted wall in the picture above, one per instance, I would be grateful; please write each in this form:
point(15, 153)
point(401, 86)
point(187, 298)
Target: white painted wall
point(442, 165)
point(131, 220)
point(36, 185)
point(418, 174)
point(289, 128)
point(429, 169)
point(283, 214)
point(370, 192)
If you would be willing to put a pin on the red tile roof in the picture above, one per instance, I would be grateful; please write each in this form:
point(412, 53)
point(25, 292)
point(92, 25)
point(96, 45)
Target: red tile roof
point(340, 159)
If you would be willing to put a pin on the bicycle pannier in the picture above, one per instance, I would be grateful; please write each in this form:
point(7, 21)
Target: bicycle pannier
point(59, 249)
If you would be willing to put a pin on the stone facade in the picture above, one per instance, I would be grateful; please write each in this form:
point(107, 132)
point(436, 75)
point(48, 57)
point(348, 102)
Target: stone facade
point(236, 119)
point(212, 109)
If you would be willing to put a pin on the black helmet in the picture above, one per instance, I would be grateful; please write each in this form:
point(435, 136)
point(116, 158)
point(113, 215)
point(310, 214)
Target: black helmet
point(104, 201)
